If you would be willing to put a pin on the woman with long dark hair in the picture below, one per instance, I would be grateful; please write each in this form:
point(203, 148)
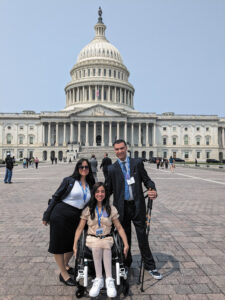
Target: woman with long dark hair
point(100, 215)
point(63, 214)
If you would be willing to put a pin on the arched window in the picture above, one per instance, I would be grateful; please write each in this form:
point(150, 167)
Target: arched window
point(9, 139)
point(174, 138)
point(20, 140)
point(207, 140)
point(198, 140)
point(186, 140)
point(31, 139)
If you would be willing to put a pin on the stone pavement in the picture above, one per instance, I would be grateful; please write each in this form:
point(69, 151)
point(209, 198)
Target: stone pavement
point(187, 236)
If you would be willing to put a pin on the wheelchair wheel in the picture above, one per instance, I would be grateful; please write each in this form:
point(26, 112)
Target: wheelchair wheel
point(81, 291)
point(125, 287)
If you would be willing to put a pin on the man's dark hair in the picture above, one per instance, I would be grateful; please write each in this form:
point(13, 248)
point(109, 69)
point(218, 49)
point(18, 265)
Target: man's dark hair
point(119, 141)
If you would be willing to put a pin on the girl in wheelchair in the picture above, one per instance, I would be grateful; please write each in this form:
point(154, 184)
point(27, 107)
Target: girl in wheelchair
point(99, 216)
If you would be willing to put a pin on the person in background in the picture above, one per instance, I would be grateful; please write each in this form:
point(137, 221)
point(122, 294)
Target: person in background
point(36, 161)
point(8, 168)
point(105, 163)
point(63, 215)
point(94, 165)
point(24, 163)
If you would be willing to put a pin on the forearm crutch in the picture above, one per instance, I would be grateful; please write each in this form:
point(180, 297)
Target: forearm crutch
point(148, 221)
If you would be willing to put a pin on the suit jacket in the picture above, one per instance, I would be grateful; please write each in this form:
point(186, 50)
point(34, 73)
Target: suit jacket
point(105, 163)
point(62, 192)
point(116, 185)
point(94, 165)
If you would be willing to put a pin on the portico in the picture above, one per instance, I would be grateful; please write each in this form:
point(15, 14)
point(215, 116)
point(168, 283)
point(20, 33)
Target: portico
point(98, 132)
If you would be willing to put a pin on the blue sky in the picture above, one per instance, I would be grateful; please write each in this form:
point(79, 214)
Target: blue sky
point(174, 50)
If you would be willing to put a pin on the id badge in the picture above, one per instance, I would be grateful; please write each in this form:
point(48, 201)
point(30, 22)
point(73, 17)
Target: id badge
point(130, 181)
point(99, 231)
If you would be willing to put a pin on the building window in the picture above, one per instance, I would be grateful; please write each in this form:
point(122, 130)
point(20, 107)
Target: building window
point(110, 73)
point(198, 128)
point(114, 74)
point(174, 154)
point(174, 128)
point(31, 127)
point(198, 141)
point(164, 128)
point(186, 129)
point(21, 127)
point(105, 94)
point(122, 76)
point(207, 129)
point(80, 74)
point(198, 154)
point(174, 141)
point(93, 72)
point(20, 140)
point(99, 72)
point(83, 73)
point(164, 141)
point(93, 93)
point(165, 154)
point(87, 90)
point(8, 139)
point(207, 140)
point(207, 154)
point(9, 127)
point(186, 140)
point(31, 140)
point(104, 72)
point(119, 75)
point(89, 72)
point(20, 154)
point(186, 155)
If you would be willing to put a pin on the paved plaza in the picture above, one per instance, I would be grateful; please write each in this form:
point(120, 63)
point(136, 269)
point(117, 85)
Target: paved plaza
point(187, 236)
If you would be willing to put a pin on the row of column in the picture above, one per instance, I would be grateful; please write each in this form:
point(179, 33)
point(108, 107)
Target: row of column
point(223, 130)
point(102, 133)
point(99, 93)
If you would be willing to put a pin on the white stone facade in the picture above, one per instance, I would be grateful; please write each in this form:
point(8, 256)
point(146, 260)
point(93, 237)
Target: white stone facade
point(99, 109)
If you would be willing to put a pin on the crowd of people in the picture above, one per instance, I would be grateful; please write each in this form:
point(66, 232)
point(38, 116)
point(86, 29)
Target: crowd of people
point(81, 200)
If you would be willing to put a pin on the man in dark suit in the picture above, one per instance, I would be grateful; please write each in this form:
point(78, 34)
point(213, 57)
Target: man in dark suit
point(105, 163)
point(125, 178)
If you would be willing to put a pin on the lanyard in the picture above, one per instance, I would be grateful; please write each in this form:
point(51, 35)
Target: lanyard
point(99, 216)
point(84, 191)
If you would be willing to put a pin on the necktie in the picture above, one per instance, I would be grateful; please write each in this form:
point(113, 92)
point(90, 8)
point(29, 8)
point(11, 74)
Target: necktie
point(126, 192)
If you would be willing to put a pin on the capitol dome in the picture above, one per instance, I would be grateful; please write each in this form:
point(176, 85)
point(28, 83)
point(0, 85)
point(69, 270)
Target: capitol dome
point(99, 48)
point(99, 75)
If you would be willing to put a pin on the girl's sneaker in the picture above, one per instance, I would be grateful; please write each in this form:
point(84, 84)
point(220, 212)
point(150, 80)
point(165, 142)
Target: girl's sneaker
point(110, 286)
point(98, 284)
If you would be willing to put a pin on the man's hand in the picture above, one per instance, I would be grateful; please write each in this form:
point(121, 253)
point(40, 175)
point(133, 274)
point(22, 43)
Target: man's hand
point(45, 223)
point(125, 250)
point(75, 250)
point(152, 194)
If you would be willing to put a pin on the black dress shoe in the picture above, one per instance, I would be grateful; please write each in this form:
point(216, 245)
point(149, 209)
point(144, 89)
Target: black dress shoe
point(71, 271)
point(69, 282)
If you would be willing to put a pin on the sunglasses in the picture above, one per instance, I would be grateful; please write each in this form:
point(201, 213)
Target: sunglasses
point(83, 167)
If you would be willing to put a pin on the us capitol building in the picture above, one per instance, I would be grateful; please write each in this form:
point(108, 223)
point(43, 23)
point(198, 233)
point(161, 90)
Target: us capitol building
point(100, 109)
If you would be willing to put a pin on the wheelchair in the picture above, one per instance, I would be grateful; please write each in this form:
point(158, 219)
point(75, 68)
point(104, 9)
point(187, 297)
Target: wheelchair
point(84, 265)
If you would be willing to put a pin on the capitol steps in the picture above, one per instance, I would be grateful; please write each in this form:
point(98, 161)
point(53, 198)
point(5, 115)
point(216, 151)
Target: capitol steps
point(99, 151)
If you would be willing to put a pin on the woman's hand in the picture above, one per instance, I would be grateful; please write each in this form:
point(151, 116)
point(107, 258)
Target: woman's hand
point(125, 250)
point(45, 222)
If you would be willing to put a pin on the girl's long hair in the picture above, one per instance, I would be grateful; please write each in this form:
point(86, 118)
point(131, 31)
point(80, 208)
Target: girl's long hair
point(89, 178)
point(93, 202)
